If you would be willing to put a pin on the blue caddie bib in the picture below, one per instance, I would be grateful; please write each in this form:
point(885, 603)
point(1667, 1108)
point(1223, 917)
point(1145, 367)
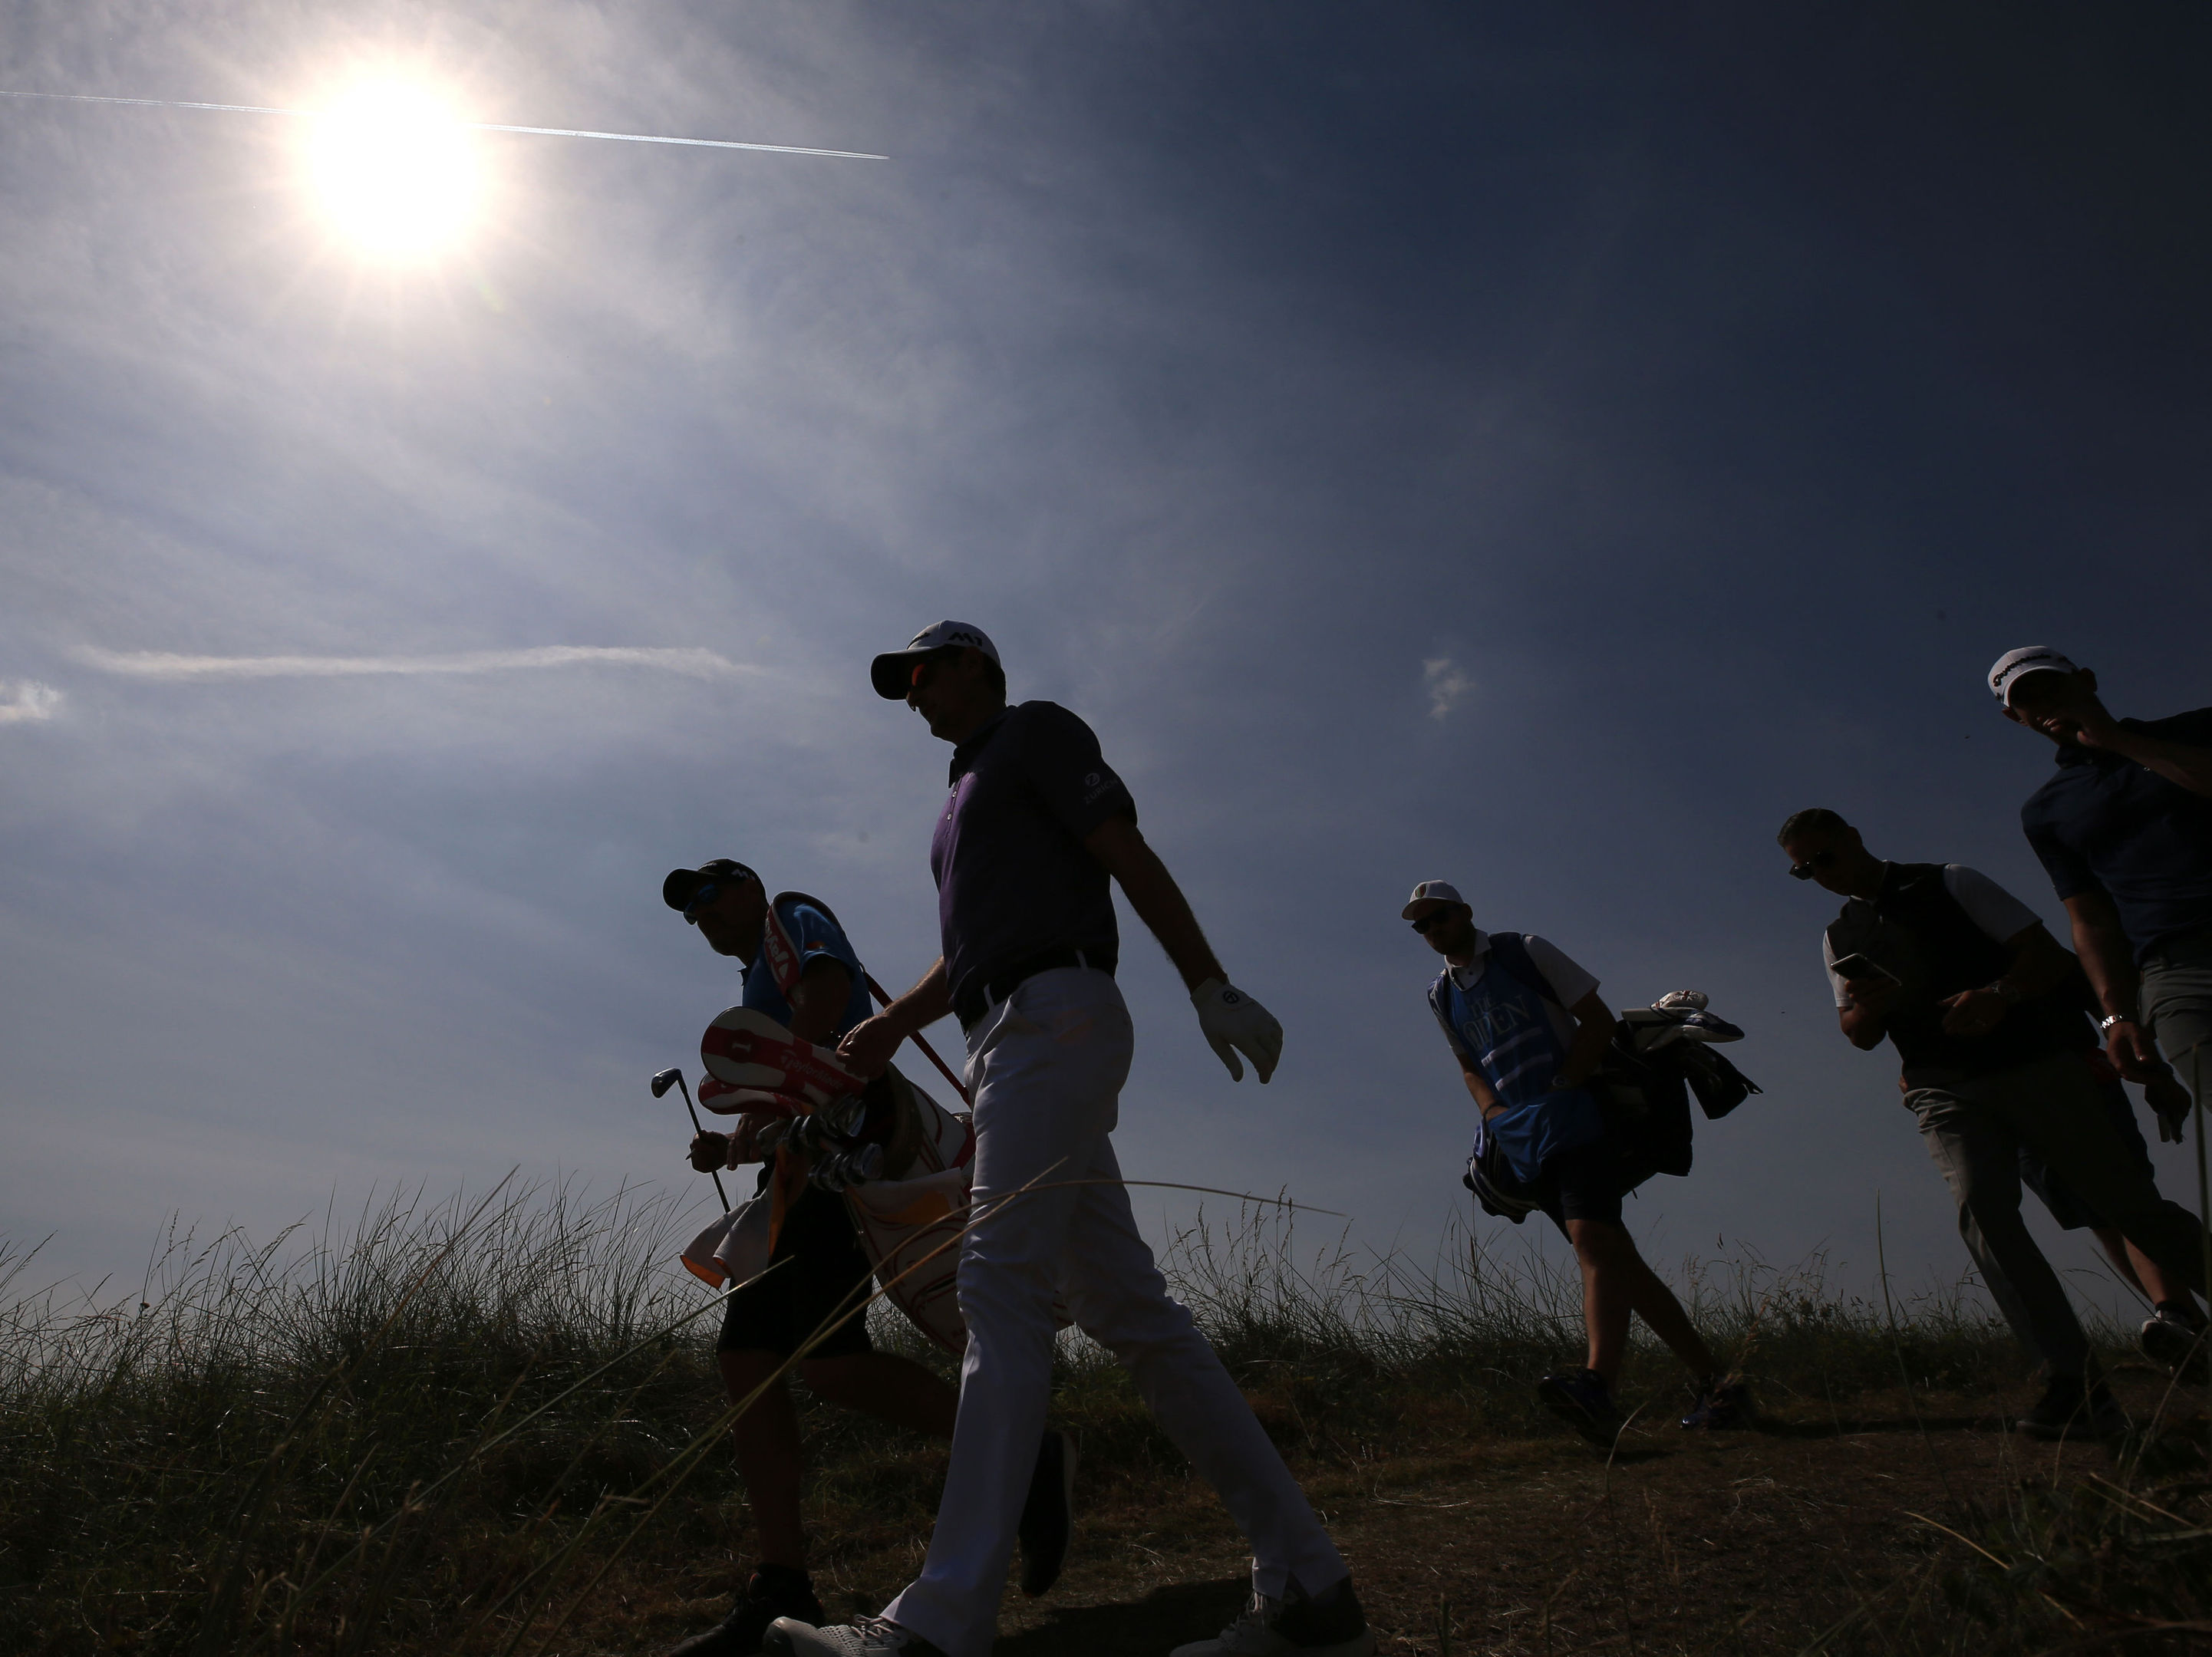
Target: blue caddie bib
point(1502, 1022)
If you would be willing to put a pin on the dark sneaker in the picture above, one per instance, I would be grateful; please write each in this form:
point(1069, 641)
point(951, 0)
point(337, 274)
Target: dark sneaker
point(1721, 1404)
point(2071, 1408)
point(1582, 1399)
point(1334, 1626)
point(2168, 1341)
point(1049, 1515)
point(864, 1636)
point(774, 1591)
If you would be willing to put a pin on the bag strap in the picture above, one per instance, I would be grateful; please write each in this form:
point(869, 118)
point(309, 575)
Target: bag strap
point(785, 963)
point(1510, 951)
point(812, 902)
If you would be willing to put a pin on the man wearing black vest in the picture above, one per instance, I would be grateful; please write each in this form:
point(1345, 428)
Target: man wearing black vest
point(1984, 1011)
point(819, 1270)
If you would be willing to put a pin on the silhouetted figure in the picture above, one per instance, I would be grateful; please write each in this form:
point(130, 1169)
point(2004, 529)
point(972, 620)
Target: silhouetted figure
point(2124, 829)
point(1530, 1035)
point(1983, 1007)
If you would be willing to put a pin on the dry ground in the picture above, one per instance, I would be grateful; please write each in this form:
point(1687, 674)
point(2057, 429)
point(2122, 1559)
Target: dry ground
point(1743, 1543)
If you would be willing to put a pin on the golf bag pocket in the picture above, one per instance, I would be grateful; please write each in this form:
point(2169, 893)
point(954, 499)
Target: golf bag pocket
point(1530, 1135)
point(1496, 1191)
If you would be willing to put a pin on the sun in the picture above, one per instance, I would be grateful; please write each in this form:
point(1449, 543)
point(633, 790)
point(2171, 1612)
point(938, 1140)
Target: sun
point(394, 170)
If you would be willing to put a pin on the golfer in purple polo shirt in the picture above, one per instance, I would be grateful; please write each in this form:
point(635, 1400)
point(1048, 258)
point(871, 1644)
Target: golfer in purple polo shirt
point(1035, 823)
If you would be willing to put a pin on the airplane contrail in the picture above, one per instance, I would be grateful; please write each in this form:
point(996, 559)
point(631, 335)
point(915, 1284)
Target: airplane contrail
point(471, 126)
point(691, 661)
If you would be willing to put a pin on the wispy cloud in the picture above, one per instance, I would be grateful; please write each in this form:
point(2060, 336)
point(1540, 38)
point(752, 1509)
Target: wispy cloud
point(1447, 686)
point(692, 662)
point(23, 700)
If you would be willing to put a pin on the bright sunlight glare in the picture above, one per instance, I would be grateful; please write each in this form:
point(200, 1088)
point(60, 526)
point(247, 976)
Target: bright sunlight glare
point(394, 171)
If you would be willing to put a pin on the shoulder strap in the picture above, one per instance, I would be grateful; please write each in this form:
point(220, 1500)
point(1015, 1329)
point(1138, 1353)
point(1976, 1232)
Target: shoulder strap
point(784, 960)
point(807, 898)
point(1510, 951)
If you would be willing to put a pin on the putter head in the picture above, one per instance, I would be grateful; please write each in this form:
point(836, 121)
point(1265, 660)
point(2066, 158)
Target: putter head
point(665, 1080)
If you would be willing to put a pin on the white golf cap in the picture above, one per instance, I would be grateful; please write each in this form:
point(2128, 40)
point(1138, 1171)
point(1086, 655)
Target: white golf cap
point(2016, 665)
point(1432, 891)
point(892, 673)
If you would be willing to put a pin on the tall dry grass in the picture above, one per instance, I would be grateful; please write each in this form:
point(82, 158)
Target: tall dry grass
point(433, 1426)
point(343, 1441)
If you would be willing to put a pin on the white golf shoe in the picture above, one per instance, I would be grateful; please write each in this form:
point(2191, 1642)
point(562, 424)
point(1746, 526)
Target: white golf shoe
point(864, 1636)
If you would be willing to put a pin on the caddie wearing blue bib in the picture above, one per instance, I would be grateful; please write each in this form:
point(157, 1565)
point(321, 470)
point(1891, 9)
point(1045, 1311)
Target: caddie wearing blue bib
point(801, 970)
point(1530, 1035)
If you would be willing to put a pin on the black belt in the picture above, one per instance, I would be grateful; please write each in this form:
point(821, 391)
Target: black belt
point(2196, 938)
point(977, 994)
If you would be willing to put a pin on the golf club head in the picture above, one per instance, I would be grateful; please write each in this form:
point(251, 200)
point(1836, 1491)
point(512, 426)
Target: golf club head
point(665, 1080)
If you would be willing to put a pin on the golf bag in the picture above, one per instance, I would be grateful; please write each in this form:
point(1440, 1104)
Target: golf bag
point(901, 1160)
point(1659, 1056)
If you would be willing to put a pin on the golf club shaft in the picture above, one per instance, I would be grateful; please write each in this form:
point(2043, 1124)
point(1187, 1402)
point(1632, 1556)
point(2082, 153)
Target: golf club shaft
point(944, 1069)
point(697, 1128)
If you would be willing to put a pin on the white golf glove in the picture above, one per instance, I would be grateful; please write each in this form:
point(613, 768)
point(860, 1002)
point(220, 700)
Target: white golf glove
point(1232, 1020)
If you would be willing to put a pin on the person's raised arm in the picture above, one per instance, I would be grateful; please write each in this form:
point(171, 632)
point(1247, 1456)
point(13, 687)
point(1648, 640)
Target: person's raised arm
point(2110, 966)
point(2072, 711)
point(1231, 1019)
point(2181, 762)
point(868, 1045)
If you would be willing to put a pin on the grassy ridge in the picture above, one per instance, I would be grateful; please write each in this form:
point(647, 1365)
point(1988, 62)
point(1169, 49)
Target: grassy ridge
point(431, 1426)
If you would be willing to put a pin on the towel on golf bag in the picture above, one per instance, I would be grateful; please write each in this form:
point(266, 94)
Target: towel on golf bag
point(735, 1249)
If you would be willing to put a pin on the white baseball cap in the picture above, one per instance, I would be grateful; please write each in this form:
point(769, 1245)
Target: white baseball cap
point(2016, 665)
point(892, 673)
point(1432, 891)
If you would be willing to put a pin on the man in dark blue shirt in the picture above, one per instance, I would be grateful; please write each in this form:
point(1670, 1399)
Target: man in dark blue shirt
point(1034, 825)
point(2124, 829)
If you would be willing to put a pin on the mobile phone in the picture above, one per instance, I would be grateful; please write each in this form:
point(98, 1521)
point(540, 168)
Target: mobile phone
point(1859, 968)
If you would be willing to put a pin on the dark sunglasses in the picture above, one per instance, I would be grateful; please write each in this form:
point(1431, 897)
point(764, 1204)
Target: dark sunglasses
point(1818, 860)
point(1434, 918)
point(700, 899)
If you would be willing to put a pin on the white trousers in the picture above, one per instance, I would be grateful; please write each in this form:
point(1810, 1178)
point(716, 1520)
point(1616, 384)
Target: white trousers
point(1045, 1070)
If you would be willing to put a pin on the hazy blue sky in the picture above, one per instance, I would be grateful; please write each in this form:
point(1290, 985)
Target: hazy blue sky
point(1531, 446)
